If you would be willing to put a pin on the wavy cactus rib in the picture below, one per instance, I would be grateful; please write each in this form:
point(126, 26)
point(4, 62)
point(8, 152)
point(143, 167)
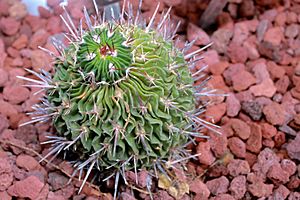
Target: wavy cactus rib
point(122, 95)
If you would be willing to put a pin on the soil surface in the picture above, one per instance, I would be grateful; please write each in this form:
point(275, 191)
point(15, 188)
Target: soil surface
point(255, 59)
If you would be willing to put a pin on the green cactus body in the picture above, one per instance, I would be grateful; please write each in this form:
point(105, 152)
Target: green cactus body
point(121, 96)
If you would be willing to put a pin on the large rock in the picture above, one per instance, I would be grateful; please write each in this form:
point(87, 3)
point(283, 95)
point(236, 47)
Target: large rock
point(293, 148)
point(218, 185)
point(30, 187)
point(9, 25)
point(6, 174)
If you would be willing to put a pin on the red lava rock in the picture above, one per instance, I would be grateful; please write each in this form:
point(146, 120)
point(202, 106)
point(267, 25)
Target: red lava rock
point(293, 148)
point(172, 2)
point(280, 193)
point(260, 189)
point(206, 157)
point(261, 29)
point(265, 160)
point(218, 144)
point(18, 10)
point(275, 113)
point(4, 195)
point(270, 51)
point(288, 166)
point(237, 53)
point(268, 143)
point(296, 80)
point(4, 7)
point(214, 113)
point(237, 147)
point(223, 197)
point(19, 174)
point(54, 196)
point(292, 31)
point(238, 167)
point(255, 177)
point(43, 193)
point(240, 32)
point(198, 187)
point(210, 57)
point(250, 158)
point(40, 60)
point(233, 70)
point(9, 135)
point(12, 52)
point(126, 196)
point(282, 84)
point(294, 196)
point(240, 128)
point(77, 13)
point(26, 30)
point(161, 194)
point(39, 38)
point(15, 94)
point(53, 3)
point(21, 42)
point(29, 187)
point(260, 71)
point(66, 191)
point(243, 80)
point(263, 101)
point(79, 197)
point(247, 8)
point(265, 88)
point(274, 36)
point(196, 33)
point(294, 183)
point(3, 77)
point(44, 12)
point(35, 22)
point(275, 70)
point(142, 178)
point(54, 25)
point(268, 131)
point(218, 68)
point(6, 174)
point(218, 185)
point(254, 142)
point(220, 169)
point(3, 123)
point(17, 62)
point(221, 39)
point(269, 14)
point(95, 198)
point(27, 134)
point(217, 82)
point(27, 162)
point(9, 25)
point(57, 181)
point(238, 187)
point(280, 19)
point(251, 48)
point(233, 105)
point(295, 93)
point(292, 16)
point(277, 174)
point(277, 97)
point(279, 139)
point(253, 109)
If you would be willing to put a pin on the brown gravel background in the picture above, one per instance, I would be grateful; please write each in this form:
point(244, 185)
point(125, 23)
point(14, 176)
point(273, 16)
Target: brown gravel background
point(255, 59)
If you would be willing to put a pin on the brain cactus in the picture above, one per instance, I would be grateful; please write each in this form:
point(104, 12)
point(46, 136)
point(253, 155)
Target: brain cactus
point(121, 96)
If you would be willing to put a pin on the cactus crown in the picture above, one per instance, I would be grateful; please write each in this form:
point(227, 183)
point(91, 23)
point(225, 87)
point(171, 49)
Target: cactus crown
point(121, 96)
